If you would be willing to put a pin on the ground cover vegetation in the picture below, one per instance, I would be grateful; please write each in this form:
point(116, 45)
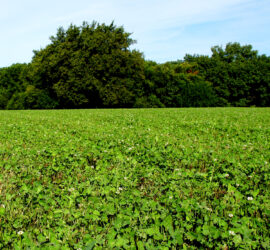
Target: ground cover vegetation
point(194, 178)
point(93, 66)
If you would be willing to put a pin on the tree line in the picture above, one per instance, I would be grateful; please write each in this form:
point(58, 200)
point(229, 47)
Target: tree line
point(93, 66)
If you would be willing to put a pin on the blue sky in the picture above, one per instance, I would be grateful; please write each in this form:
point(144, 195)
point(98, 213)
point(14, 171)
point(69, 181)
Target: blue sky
point(164, 30)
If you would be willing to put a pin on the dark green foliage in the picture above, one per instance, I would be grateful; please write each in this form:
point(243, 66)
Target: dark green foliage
point(89, 66)
point(92, 66)
point(11, 82)
point(178, 85)
point(32, 98)
point(151, 101)
point(239, 75)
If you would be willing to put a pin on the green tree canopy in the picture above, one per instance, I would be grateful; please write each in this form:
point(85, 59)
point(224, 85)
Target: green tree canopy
point(176, 84)
point(11, 81)
point(239, 75)
point(93, 66)
point(89, 66)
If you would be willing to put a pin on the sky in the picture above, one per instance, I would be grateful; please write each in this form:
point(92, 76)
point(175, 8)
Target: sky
point(165, 30)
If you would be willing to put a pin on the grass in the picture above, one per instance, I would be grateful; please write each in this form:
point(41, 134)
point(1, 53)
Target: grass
point(137, 179)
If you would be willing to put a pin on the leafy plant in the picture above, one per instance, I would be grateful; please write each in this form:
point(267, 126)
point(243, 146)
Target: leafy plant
point(139, 179)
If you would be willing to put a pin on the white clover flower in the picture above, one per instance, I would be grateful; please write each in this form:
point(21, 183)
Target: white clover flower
point(170, 197)
point(250, 176)
point(227, 175)
point(20, 232)
point(71, 189)
point(125, 178)
point(250, 198)
point(237, 184)
point(215, 159)
point(231, 215)
point(231, 232)
point(92, 167)
point(120, 188)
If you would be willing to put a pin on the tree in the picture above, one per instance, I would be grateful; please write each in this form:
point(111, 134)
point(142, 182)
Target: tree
point(177, 84)
point(89, 66)
point(31, 98)
point(239, 75)
point(11, 82)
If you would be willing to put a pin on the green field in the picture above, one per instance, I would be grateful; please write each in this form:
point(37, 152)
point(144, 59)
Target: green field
point(136, 179)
